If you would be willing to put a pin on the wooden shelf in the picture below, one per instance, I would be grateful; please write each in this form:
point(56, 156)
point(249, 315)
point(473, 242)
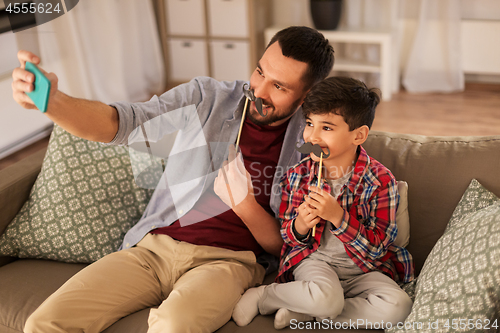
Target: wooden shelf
point(348, 65)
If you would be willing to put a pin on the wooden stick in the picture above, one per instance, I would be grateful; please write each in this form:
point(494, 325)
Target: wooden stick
point(319, 184)
point(241, 124)
point(237, 144)
point(228, 188)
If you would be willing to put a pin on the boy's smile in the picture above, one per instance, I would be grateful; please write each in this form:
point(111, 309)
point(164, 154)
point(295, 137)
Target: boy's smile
point(331, 131)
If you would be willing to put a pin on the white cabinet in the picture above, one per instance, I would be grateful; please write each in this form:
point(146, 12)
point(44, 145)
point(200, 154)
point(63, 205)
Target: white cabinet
point(218, 38)
point(228, 18)
point(188, 59)
point(186, 17)
point(230, 59)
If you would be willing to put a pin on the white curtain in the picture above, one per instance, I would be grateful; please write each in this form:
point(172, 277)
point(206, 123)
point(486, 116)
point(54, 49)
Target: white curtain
point(426, 40)
point(425, 34)
point(434, 61)
point(106, 50)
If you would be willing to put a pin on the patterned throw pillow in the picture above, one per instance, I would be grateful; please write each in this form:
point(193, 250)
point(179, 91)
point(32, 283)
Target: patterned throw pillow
point(458, 288)
point(474, 198)
point(83, 202)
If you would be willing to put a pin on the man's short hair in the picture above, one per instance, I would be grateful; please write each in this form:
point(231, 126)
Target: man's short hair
point(307, 45)
point(344, 96)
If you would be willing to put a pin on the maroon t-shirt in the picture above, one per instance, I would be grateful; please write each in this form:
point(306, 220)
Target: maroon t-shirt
point(261, 147)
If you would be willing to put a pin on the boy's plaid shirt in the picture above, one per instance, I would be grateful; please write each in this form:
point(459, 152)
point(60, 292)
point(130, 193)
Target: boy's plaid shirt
point(368, 230)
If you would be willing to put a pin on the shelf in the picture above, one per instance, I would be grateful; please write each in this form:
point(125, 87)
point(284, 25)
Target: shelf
point(375, 36)
point(347, 65)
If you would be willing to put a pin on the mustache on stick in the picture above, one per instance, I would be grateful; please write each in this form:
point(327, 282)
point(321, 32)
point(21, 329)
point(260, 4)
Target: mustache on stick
point(258, 101)
point(308, 148)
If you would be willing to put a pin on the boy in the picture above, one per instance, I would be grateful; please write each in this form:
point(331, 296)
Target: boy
point(347, 271)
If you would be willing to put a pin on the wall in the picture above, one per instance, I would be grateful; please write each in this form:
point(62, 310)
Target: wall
point(296, 12)
point(18, 127)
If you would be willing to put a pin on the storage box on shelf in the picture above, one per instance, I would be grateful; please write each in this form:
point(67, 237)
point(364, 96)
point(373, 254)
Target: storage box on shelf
point(218, 38)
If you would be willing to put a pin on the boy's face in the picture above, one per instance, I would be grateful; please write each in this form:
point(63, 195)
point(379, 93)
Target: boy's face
point(277, 80)
point(331, 131)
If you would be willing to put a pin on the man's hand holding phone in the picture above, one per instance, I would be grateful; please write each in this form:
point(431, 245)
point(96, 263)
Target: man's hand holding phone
point(24, 80)
point(90, 120)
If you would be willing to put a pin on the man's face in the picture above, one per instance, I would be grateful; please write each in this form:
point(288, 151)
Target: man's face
point(277, 80)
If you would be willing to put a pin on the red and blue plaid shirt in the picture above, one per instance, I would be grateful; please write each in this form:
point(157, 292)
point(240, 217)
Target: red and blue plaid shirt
point(368, 229)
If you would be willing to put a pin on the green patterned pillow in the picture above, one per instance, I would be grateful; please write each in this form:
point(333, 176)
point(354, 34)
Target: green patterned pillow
point(409, 288)
point(83, 202)
point(474, 198)
point(458, 288)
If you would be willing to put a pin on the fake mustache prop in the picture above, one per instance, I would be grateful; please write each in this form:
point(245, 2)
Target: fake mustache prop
point(258, 101)
point(308, 148)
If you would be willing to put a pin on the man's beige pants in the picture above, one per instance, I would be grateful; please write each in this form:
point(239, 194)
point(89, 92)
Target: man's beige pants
point(196, 288)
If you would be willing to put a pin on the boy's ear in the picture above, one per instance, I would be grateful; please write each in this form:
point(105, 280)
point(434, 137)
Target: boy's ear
point(361, 135)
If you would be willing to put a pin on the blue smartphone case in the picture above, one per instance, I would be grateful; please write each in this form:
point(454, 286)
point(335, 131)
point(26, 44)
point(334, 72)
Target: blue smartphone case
point(40, 95)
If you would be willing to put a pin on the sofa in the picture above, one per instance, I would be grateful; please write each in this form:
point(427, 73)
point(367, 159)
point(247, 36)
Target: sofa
point(437, 169)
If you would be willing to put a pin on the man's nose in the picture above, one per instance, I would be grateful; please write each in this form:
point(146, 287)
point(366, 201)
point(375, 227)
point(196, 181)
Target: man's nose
point(261, 91)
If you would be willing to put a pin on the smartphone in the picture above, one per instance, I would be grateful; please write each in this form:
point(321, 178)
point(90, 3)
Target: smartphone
point(40, 95)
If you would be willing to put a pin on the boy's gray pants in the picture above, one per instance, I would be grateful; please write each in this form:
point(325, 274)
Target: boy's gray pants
point(318, 291)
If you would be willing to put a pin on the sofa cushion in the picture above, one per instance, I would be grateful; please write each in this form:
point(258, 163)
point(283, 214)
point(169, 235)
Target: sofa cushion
point(402, 216)
point(460, 279)
point(83, 201)
point(25, 284)
point(16, 182)
point(438, 169)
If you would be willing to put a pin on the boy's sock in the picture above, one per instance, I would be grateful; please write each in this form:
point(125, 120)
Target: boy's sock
point(248, 306)
point(284, 316)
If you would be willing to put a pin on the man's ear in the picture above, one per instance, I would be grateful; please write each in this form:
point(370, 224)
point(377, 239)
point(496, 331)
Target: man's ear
point(361, 135)
point(304, 95)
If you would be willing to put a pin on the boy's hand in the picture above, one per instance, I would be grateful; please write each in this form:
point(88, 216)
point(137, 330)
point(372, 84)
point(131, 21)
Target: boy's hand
point(323, 204)
point(305, 220)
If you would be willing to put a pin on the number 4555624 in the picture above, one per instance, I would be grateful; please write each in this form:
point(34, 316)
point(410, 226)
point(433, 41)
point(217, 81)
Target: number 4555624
point(471, 324)
point(32, 8)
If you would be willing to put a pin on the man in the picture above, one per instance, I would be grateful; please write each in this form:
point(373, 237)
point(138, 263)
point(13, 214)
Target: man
point(195, 272)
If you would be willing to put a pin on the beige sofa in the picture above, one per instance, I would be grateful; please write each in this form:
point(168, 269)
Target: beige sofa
point(437, 169)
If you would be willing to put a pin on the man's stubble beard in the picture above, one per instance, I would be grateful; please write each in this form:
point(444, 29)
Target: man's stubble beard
point(273, 116)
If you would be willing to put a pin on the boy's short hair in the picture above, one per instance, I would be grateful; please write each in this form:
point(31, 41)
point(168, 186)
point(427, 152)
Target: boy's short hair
point(307, 45)
point(344, 96)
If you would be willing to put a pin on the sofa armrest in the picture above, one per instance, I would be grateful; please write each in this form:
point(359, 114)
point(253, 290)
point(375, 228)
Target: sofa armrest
point(16, 182)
